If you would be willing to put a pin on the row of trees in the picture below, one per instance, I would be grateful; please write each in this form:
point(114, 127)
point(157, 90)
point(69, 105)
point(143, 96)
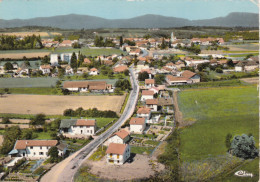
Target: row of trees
point(80, 112)
point(14, 43)
point(101, 42)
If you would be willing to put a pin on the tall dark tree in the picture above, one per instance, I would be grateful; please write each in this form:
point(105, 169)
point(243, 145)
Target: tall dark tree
point(8, 66)
point(121, 41)
point(39, 119)
point(73, 61)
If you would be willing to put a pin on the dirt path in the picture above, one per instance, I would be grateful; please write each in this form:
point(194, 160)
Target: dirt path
point(140, 168)
point(178, 113)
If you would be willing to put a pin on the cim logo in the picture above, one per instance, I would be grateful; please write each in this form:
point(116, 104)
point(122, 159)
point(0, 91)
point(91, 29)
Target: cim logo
point(243, 174)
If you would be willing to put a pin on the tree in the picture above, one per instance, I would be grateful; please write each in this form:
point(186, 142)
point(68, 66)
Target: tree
point(228, 140)
point(27, 63)
point(61, 72)
point(10, 136)
point(58, 38)
point(8, 66)
point(73, 61)
point(121, 41)
point(54, 154)
point(230, 63)
point(65, 92)
point(123, 84)
point(143, 75)
point(159, 79)
point(126, 72)
point(39, 119)
point(6, 120)
point(117, 91)
point(244, 147)
point(6, 90)
point(219, 70)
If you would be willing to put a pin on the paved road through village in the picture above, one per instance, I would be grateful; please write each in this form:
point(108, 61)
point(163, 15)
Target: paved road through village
point(65, 170)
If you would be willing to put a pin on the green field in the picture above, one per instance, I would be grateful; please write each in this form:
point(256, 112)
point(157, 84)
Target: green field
point(36, 91)
point(91, 52)
point(217, 111)
point(27, 82)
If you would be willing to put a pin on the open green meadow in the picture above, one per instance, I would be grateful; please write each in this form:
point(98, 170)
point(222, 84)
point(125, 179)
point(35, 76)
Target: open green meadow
point(91, 52)
point(217, 111)
point(27, 82)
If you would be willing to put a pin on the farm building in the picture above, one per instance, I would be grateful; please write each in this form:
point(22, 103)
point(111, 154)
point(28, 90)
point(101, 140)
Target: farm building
point(84, 86)
point(78, 126)
point(33, 149)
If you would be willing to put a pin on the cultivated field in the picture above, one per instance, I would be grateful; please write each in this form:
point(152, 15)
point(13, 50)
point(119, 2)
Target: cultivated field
point(216, 112)
point(23, 34)
point(92, 51)
point(20, 55)
point(55, 105)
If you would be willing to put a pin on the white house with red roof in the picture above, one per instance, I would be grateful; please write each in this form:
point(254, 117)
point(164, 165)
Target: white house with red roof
point(146, 94)
point(144, 112)
point(137, 125)
point(93, 71)
point(36, 149)
point(185, 77)
point(83, 127)
point(46, 68)
point(117, 153)
point(122, 136)
point(152, 104)
point(149, 83)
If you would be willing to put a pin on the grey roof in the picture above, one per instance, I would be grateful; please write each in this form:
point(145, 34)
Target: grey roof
point(67, 123)
point(61, 146)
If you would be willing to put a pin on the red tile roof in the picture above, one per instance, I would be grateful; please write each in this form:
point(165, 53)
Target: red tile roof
point(147, 92)
point(120, 68)
point(137, 121)
point(76, 84)
point(22, 144)
point(86, 122)
point(151, 102)
point(122, 133)
point(188, 74)
point(116, 148)
point(93, 69)
point(143, 110)
point(87, 61)
point(149, 81)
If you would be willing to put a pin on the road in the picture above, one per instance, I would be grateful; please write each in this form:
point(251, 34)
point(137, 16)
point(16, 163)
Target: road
point(65, 170)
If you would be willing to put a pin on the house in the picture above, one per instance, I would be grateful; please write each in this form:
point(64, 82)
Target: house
point(122, 136)
point(69, 70)
point(66, 43)
point(152, 104)
point(117, 153)
point(179, 65)
point(86, 61)
point(46, 68)
point(171, 65)
point(93, 71)
point(120, 69)
point(195, 63)
point(246, 66)
point(86, 127)
point(54, 60)
point(84, 86)
point(207, 41)
point(35, 149)
point(251, 65)
point(239, 67)
point(149, 83)
point(137, 125)
point(185, 77)
point(22, 71)
point(141, 65)
point(146, 94)
point(66, 57)
point(144, 112)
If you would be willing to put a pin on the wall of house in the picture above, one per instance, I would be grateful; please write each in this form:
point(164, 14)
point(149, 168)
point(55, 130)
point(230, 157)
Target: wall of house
point(115, 139)
point(137, 128)
point(145, 97)
point(118, 159)
point(147, 116)
point(153, 107)
point(238, 69)
point(82, 130)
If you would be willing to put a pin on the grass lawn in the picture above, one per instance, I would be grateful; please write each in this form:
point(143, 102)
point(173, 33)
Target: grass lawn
point(218, 112)
point(44, 135)
point(241, 55)
point(91, 52)
point(151, 142)
point(98, 154)
point(103, 121)
point(36, 91)
point(27, 82)
point(250, 166)
point(141, 150)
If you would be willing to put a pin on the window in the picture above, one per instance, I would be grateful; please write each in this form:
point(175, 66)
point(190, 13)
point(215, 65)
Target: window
point(41, 148)
point(40, 153)
point(81, 126)
point(117, 156)
point(47, 147)
point(34, 153)
point(110, 155)
point(117, 161)
point(31, 147)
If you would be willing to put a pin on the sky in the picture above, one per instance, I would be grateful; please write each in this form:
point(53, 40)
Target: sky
point(123, 9)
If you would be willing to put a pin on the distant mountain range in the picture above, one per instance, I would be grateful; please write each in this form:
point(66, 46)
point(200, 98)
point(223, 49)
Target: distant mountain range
point(74, 21)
